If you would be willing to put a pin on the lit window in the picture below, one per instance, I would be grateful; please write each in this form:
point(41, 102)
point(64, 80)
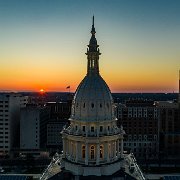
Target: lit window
point(101, 151)
point(92, 152)
point(83, 151)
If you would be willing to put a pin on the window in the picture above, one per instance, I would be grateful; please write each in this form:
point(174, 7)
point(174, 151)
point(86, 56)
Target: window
point(101, 128)
point(76, 127)
point(84, 128)
point(101, 151)
point(92, 128)
point(100, 105)
point(83, 151)
point(92, 152)
point(84, 105)
point(92, 105)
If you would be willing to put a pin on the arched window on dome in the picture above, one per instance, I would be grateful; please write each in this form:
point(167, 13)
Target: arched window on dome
point(100, 105)
point(83, 151)
point(101, 151)
point(84, 105)
point(92, 152)
point(92, 105)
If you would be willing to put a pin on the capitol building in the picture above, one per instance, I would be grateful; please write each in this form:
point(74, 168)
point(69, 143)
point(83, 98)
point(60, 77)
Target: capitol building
point(92, 143)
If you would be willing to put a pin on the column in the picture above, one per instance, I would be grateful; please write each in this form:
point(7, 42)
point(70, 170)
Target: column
point(115, 154)
point(98, 131)
point(76, 151)
point(64, 147)
point(86, 154)
point(108, 152)
point(121, 148)
point(97, 153)
point(118, 148)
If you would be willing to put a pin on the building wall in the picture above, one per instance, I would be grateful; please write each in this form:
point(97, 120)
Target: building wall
point(33, 124)
point(53, 134)
point(169, 130)
point(10, 104)
point(140, 121)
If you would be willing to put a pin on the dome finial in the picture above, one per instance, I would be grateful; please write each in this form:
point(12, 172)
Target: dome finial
point(93, 31)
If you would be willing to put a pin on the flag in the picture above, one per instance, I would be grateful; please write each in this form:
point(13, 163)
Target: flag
point(67, 87)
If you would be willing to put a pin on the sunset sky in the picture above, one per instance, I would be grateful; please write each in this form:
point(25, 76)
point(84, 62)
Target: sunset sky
point(43, 44)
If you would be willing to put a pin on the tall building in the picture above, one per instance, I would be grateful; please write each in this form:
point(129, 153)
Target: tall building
point(33, 129)
point(92, 143)
point(59, 115)
point(170, 128)
point(140, 120)
point(59, 110)
point(10, 104)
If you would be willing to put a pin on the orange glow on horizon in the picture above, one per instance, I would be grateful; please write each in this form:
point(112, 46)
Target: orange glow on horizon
point(42, 90)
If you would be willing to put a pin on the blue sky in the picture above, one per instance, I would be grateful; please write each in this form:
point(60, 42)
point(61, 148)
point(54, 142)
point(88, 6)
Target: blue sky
point(139, 41)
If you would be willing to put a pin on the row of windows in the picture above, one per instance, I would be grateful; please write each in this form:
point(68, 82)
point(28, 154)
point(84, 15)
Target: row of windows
point(3, 119)
point(3, 101)
point(3, 146)
point(4, 141)
point(3, 106)
point(3, 123)
point(139, 144)
point(4, 110)
point(92, 105)
point(92, 128)
point(6, 137)
point(4, 132)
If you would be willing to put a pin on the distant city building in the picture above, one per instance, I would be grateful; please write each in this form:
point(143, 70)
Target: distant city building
point(33, 128)
point(59, 115)
point(169, 130)
point(59, 110)
point(54, 139)
point(10, 104)
point(140, 120)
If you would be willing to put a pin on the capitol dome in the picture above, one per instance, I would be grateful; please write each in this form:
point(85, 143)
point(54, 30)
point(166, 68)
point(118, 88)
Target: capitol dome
point(93, 100)
point(92, 143)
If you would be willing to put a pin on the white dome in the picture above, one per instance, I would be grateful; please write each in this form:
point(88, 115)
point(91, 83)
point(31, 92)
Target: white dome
point(93, 100)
